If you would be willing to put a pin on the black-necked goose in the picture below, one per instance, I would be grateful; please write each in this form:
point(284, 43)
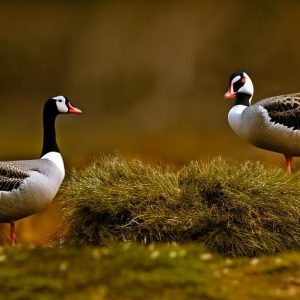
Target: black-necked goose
point(272, 124)
point(27, 186)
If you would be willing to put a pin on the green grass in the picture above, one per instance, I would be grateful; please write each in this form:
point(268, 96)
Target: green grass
point(129, 271)
point(235, 209)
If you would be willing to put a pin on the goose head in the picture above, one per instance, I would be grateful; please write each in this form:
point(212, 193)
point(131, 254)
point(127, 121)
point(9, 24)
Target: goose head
point(240, 88)
point(52, 108)
point(60, 105)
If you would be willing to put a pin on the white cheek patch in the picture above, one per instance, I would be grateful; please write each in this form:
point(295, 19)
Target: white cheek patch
point(62, 107)
point(62, 98)
point(247, 87)
point(235, 79)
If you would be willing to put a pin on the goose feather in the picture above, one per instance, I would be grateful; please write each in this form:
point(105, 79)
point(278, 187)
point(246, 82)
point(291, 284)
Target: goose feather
point(27, 186)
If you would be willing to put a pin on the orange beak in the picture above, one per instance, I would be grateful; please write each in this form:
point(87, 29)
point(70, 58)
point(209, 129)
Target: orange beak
point(73, 110)
point(230, 94)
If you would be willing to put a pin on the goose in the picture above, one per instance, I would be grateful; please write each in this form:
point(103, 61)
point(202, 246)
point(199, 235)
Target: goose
point(271, 124)
point(27, 186)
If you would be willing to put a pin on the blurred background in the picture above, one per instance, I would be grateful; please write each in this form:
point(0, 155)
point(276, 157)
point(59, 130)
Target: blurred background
point(149, 76)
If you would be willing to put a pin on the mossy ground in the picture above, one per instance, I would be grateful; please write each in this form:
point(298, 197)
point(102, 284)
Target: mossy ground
point(137, 272)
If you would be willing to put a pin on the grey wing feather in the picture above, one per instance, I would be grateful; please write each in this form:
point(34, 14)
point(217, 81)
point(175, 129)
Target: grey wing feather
point(11, 177)
point(284, 110)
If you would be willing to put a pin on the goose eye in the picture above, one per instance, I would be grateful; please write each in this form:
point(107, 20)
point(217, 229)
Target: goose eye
point(237, 85)
point(60, 101)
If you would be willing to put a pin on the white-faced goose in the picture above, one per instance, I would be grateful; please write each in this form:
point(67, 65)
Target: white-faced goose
point(27, 186)
point(272, 124)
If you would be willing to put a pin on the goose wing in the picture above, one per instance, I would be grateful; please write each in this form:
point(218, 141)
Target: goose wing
point(11, 177)
point(284, 110)
point(13, 173)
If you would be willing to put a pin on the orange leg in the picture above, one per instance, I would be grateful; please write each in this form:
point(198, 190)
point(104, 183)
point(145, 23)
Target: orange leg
point(288, 161)
point(13, 237)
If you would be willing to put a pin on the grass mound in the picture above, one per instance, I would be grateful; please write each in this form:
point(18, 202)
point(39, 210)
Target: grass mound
point(236, 209)
point(114, 199)
point(250, 210)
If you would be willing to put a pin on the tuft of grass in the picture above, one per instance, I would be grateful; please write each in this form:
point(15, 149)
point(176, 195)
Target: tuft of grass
point(117, 200)
point(235, 209)
point(250, 210)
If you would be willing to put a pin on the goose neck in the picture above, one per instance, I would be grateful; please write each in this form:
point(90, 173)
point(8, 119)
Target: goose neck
point(49, 139)
point(243, 99)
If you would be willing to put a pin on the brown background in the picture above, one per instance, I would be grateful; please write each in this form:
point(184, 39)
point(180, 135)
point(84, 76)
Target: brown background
point(149, 76)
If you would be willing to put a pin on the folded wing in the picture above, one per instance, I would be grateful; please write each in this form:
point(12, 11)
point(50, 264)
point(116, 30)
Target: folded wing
point(284, 110)
point(11, 177)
